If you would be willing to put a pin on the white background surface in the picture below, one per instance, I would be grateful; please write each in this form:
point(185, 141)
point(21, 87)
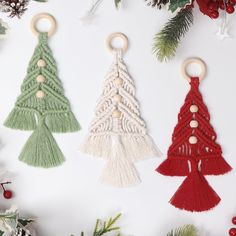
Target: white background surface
point(68, 199)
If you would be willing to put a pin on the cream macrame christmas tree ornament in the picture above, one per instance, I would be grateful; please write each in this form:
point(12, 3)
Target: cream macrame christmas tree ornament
point(42, 106)
point(118, 133)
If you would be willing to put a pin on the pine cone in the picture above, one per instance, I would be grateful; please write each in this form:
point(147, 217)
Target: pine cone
point(21, 232)
point(14, 7)
point(157, 3)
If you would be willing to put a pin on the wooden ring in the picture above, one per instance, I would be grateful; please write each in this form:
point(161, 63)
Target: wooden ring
point(117, 35)
point(40, 16)
point(198, 61)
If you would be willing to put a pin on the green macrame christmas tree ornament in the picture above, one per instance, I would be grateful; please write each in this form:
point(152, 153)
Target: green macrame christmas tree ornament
point(42, 107)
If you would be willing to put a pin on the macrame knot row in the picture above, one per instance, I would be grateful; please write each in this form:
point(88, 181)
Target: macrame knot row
point(194, 153)
point(43, 38)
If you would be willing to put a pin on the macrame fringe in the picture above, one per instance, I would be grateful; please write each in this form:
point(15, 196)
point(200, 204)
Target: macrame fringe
point(215, 166)
point(195, 194)
point(62, 122)
point(135, 147)
point(21, 119)
point(119, 171)
point(41, 149)
point(173, 167)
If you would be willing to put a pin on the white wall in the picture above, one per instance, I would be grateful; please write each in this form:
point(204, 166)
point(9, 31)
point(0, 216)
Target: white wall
point(69, 198)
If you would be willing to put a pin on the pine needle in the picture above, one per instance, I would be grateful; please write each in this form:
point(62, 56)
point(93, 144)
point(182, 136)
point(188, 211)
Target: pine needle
point(105, 227)
point(168, 39)
point(186, 230)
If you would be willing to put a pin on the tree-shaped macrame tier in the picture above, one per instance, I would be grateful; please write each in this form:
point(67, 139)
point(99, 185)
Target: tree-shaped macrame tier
point(118, 133)
point(42, 107)
point(194, 153)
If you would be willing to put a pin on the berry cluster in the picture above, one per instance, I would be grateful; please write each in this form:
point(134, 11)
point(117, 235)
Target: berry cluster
point(232, 231)
point(6, 193)
point(213, 7)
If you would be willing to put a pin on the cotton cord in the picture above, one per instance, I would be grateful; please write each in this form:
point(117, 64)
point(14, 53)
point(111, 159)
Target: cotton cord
point(118, 133)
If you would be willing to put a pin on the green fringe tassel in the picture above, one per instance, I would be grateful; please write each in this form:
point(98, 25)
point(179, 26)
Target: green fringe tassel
point(41, 149)
point(21, 119)
point(62, 122)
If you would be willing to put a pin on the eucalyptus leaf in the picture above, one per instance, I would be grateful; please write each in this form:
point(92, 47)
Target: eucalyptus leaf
point(117, 3)
point(3, 31)
point(178, 4)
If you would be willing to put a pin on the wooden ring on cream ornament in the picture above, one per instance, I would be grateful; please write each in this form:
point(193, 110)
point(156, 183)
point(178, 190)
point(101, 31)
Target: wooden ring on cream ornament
point(123, 37)
point(41, 16)
point(197, 61)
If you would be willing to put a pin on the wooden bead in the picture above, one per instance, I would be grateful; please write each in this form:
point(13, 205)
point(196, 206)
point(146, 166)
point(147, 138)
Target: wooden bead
point(117, 98)
point(40, 79)
point(193, 124)
point(193, 140)
point(118, 81)
point(116, 114)
point(41, 63)
point(40, 94)
point(194, 109)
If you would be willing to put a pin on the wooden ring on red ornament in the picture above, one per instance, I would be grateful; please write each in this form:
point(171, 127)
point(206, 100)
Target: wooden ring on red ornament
point(197, 61)
point(123, 37)
point(41, 16)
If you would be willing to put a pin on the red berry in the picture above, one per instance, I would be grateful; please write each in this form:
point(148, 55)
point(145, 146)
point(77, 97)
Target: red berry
point(234, 220)
point(222, 5)
point(232, 2)
point(230, 9)
point(212, 6)
point(232, 232)
point(214, 14)
point(7, 194)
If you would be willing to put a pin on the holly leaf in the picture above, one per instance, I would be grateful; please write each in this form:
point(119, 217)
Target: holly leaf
point(117, 3)
point(178, 4)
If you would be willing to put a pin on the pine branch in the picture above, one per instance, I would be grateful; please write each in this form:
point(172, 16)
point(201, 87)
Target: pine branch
point(106, 227)
point(186, 230)
point(157, 3)
point(168, 39)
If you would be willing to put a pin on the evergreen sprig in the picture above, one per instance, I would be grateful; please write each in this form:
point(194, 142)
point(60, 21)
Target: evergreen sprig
point(168, 39)
point(186, 230)
point(102, 228)
point(157, 3)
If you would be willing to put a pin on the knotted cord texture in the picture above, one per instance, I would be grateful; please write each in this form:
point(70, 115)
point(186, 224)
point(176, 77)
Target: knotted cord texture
point(194, 126)
point(42, 107)
point(194, 153)
point(118, 132)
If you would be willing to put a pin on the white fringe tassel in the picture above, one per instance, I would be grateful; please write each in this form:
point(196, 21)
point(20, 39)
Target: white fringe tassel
point(135, 147)
point(119, 171)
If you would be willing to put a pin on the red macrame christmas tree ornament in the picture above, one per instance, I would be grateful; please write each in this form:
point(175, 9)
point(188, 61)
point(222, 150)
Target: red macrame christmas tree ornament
point(194, 153)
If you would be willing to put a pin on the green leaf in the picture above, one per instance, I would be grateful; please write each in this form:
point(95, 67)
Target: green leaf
point(117, 3)
point(1, 233)
point(168, 39)
point(40, 0)
point(178, 4)
point(186, 230)
point(3, 31)
point(25, 222)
